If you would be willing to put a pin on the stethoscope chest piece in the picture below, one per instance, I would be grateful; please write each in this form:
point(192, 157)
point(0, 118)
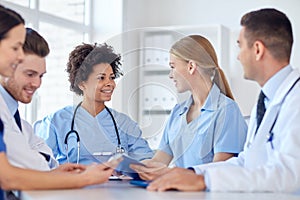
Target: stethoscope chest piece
point(120, 150)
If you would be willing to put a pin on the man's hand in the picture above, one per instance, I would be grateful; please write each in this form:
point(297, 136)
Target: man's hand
point(179, 179)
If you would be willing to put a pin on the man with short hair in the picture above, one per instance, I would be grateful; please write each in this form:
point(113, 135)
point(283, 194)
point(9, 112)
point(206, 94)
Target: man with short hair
point(270, 161)
point(24, 148)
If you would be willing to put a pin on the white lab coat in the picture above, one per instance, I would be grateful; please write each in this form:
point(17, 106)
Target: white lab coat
point(22, 148)
point(259, 167)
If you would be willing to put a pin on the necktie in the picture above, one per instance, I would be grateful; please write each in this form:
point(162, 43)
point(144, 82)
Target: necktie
point(260, 109)
point(18, 119)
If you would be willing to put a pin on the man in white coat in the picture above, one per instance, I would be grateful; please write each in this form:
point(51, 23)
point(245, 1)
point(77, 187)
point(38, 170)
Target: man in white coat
point(270, 161)
point(24, 148)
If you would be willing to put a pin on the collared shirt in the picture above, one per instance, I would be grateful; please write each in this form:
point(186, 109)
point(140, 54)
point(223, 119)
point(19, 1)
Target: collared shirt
point(219, 128)
point(269, 89)
point(97, 135)
point(264, 166)
point(274, 82)
point(23, 147)
point(11, 103)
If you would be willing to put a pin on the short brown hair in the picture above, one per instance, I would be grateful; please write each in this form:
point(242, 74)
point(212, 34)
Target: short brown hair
point(271, 27)
point(35, 44)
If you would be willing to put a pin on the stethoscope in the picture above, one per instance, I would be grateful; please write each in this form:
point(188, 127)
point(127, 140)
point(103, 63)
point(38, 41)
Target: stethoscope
point(119, 148)
point(270, 135)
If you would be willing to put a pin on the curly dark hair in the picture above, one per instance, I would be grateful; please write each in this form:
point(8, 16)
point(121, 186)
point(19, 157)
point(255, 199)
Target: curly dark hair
point(84, 57)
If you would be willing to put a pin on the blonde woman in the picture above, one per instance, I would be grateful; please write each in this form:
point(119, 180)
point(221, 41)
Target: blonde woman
point(208, 126)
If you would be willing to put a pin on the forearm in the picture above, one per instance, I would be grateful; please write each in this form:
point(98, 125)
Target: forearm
point(23, 179)
point(222, 156)
point(162, 157)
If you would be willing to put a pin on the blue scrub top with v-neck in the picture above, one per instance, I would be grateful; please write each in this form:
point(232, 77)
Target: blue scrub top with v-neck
point(219, 128)
point(97, 135)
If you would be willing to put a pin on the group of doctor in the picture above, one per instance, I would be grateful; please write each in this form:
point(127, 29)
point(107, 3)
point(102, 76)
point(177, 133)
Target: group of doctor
point(208, 127)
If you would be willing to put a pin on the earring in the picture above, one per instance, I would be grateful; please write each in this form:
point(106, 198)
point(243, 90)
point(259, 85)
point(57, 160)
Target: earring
point(81, 87)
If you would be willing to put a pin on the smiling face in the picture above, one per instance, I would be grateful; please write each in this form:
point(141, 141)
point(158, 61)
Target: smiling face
point(26, 79)
point(179, 73)
point(99, 86)
point(11, 52)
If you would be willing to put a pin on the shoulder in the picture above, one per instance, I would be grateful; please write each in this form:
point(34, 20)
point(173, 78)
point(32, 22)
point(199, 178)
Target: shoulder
point(119, 116)
point(228, 108)
point(124, 121)
point(289, 89)
point(218, 101)
point(227, 103)
point(68, 110)
point(61, 114)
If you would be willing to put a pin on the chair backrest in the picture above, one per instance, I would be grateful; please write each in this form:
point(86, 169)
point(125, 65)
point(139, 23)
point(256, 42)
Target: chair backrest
point(36, 125)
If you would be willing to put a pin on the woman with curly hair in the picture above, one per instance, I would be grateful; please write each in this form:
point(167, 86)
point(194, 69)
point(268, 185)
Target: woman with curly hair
point(102, 131)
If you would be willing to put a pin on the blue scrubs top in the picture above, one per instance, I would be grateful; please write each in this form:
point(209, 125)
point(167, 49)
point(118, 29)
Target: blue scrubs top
point(2, 149)
point(97, 135)
point(219, 128)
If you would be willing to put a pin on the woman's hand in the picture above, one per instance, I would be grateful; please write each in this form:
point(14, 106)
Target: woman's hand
point(70, 167)
point(151, 170)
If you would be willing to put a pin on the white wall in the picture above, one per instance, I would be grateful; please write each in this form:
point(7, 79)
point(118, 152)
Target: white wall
point(124, 19)
point(138, 14)
point(107, 27)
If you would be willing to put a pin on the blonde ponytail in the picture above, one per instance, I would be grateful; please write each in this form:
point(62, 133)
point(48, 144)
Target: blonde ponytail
point(221, 81)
